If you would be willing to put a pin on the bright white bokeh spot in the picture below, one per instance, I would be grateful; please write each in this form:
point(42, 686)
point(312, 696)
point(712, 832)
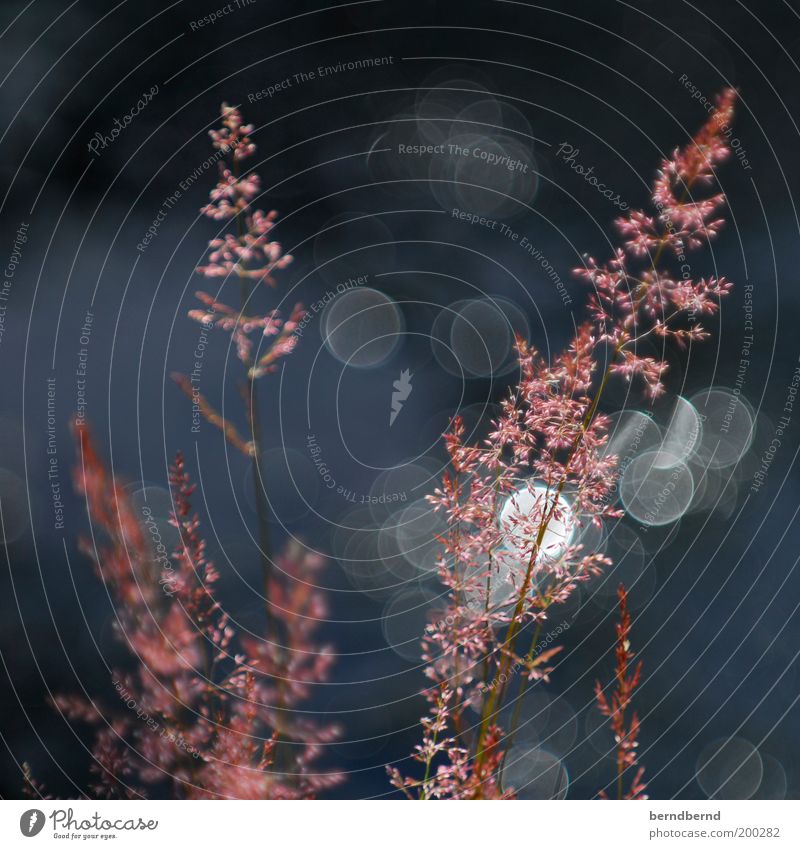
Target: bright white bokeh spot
point(522, 514)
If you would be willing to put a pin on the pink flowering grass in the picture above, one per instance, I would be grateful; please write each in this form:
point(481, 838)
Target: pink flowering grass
point(243, 253)
point(203, 709)
point(212, 713)
point(615, 709)
point(545, 468)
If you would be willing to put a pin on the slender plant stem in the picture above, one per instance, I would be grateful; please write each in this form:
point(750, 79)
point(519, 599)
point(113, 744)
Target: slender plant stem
point(262, 510)
point(259, 485)
point(523, 690)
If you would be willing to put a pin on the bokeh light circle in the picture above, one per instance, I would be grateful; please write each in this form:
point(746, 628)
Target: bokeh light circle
point(362, 327)
point(729, 768)
point(656, 491)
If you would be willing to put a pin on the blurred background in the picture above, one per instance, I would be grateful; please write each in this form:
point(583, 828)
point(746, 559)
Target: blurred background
point(418, 263)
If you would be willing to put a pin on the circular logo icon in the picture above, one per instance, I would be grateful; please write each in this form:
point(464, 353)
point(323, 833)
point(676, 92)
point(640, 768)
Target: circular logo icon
point(31, 822)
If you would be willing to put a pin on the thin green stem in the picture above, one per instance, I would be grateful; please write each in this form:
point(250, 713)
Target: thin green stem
point(262, 506)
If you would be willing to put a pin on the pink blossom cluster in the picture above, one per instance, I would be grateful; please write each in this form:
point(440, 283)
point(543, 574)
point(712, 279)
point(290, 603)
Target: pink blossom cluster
point(271, 326)
point(213, 713)
point(502, 576)
point(247, 251)
point(245, 254)
point(626, 730)
point(205, 710)
point(544, 468)
point(629, 304)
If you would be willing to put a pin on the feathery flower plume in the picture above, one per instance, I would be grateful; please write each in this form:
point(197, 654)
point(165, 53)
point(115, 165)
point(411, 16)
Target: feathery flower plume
point(516, 505)
point(626, 732)
point(200, 710)
point(214, 720)
point(247, 253)
point(659, 298)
